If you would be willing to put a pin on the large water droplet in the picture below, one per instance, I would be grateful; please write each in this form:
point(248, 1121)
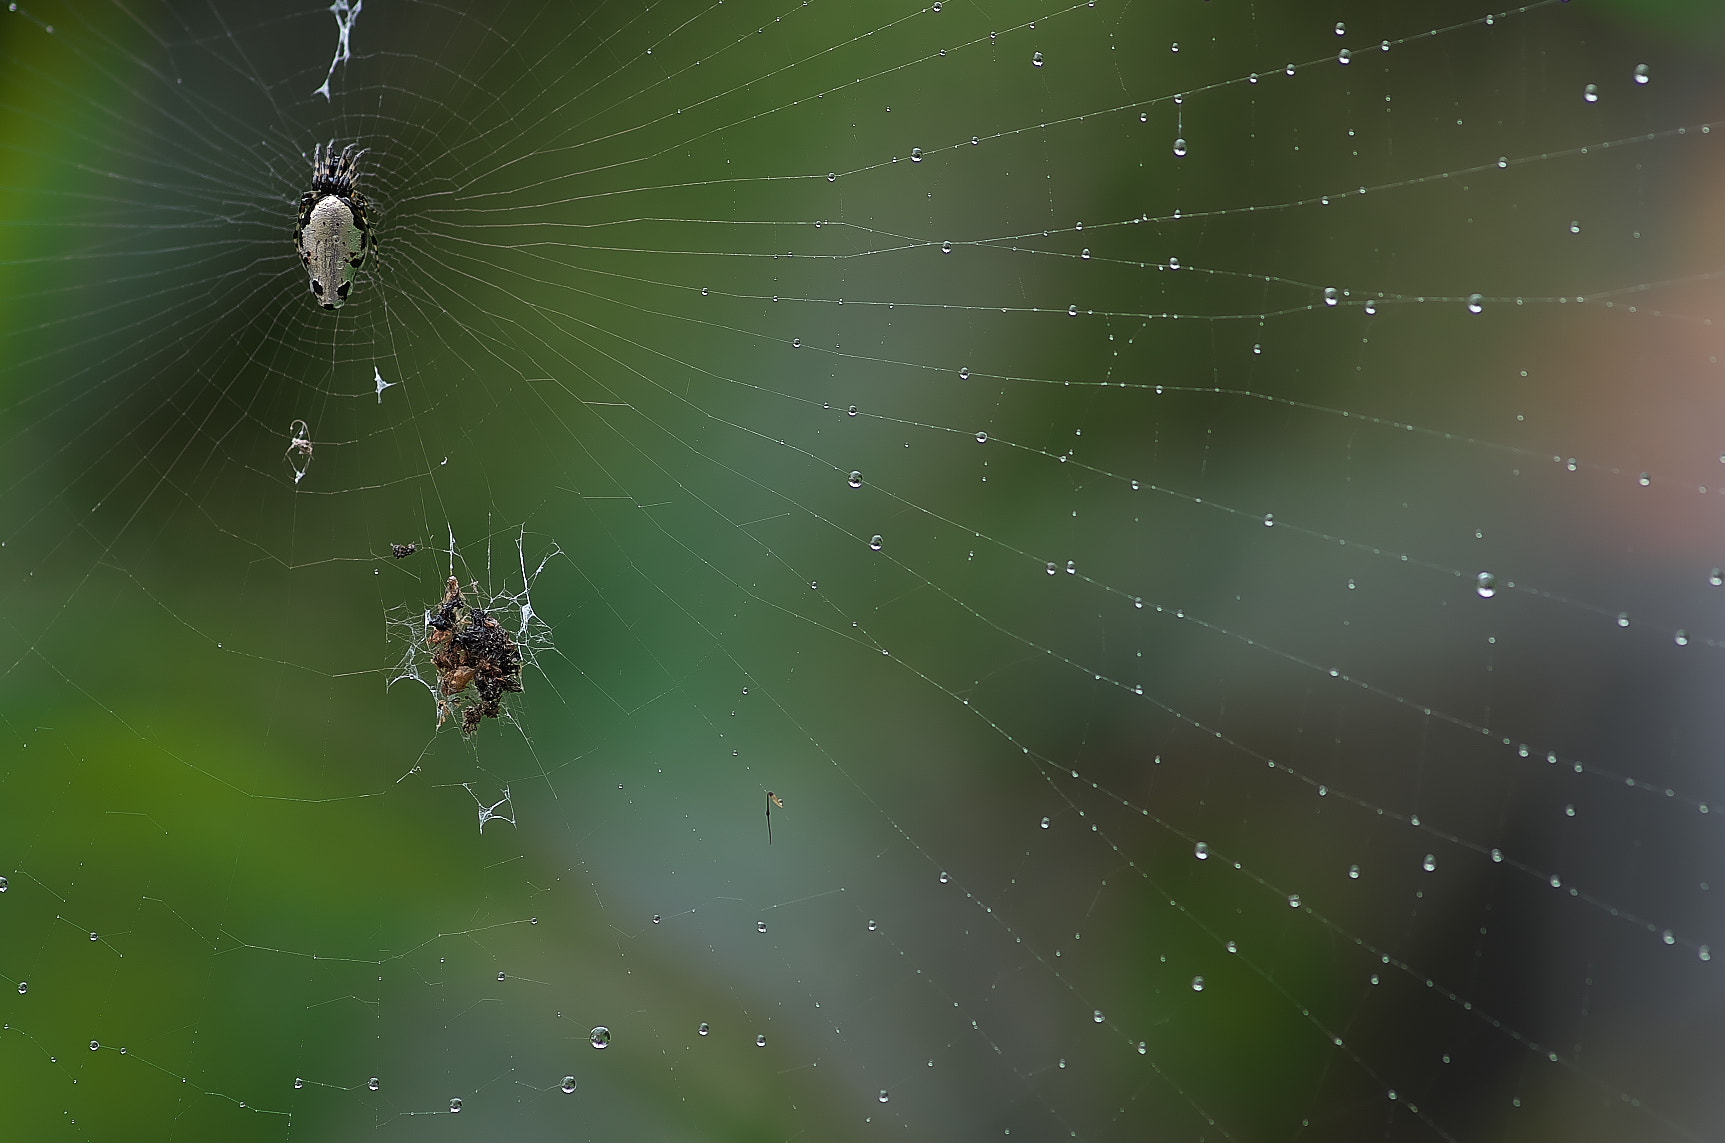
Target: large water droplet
point(874, 542)
point(3, 884)
point(856, 479)
point(945, 877)
point(1716, 577)
point(455, 1105)
point(568, 1085)
point(1354, 872)
point(883, 1095)
point(1180, 148)
point(374, 1083)
point(832, 176)
point(946, 248)
point(1331, 295)
point(1642, 73)
point(916, 154)
point(95, 1044)
point(1475, 303)
point(1293, 900)
point(1590, 93)
point(1201, 851)
point(760, 926)
point(1036, 59)
point(1341, 28)
point(981, 438)
point(1197, 984)
point(760, 1041)
point(600, 1036)
point(1344, 57)
point(703, 1030)
point(1485, 585)
point(1097, 1017)
point(298, 1082)
point(872, 926)
point(1430, 863)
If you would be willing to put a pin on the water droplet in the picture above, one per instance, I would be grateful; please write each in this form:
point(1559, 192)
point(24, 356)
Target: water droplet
point(1071, 311)
point(600, 1036)
point(1036, 59)
point(1344, 57)
point(1071, 567)
point(760, 926)
point(1704, 953)
point(916, 154)
point(1341, 28)
point(1716, 577)
point(1257, 349)
point(1085, 254)
point(981, 438)
point(703, 1029)
point(3, 884)
point(455, 1105)
point(298, 1082)
point(1044, 823)
point(1475, 303)
point(964, 373)
point(1269, 519)
point(1371, 307)
point(856, 479)
point(1201, 851)
point(760, 1041)
point(1681, 638)
point(944, 877)
point(1232, 947)
point(883, 1096)
point(1642, 73)
point(1485, 585)
point(851, 412)
point(94, 937)
point(95, 1044)
point(1590, 93)
point(1331, 295)
point(655, 918)
point(1197, 984)
point(568, 1085)
point(1051, 568)
point(1502, 162)
point(1354, 872)
point(1293, 900)
point(872, 926)
point(374, 1083)
point(1556, 881)
point(874, 542)
point(832, 177)
point(946, 248)
point(1430, 863)
point(1180, 148)
point(1574, 227)
point(1623, 618)
point(1644, 479)
point(1497, 855)
point(23, 987)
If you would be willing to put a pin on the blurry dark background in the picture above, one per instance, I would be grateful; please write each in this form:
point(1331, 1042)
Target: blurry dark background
point(1176, 558)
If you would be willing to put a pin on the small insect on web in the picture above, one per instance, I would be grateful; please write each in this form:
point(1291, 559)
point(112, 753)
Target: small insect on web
point(771, 800)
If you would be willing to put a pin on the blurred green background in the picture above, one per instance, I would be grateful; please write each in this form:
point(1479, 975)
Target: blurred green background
point(654, 281)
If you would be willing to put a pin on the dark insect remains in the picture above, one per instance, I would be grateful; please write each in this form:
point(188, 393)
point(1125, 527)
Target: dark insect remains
point(402, 551)
point(469, 647)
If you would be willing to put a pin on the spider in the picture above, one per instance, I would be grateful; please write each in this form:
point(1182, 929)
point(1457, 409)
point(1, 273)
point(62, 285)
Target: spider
point(332, 235)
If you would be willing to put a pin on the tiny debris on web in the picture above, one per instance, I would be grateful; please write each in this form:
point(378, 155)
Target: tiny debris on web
point(299, 449)
point(345, 13)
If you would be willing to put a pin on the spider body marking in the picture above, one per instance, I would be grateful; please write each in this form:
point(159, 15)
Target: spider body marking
point(333, 234)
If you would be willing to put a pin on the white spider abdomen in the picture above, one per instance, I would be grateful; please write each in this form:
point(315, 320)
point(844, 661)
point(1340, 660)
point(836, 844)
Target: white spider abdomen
point(332, 245)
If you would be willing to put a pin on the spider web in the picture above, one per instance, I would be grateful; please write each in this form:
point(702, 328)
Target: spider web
point(1205, 516)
